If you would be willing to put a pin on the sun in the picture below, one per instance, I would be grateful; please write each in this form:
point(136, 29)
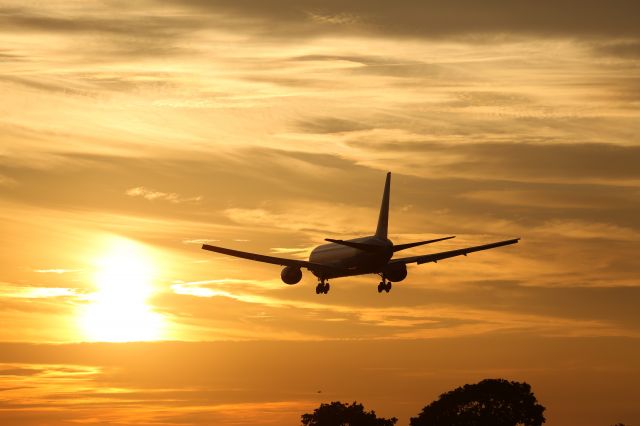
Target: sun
point(119, 311)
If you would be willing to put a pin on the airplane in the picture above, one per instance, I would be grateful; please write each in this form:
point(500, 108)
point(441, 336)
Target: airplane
point(365, 255)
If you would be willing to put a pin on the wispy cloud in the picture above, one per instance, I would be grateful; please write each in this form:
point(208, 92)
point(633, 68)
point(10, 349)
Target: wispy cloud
point(151, 195)
point(438, 318)
point(335, 19)
point(6, 181)
point(587, 230)
point(200, 241)
point(431, 19)
point(293, 217)
point(26, 292)
point(56, 271)
point(300, 252)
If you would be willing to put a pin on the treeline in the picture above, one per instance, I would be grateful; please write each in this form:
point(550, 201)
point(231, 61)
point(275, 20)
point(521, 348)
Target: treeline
point(491, 402)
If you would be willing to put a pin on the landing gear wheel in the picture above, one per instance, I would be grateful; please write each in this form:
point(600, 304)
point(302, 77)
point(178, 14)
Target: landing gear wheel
point(322, 287)
point(387, 287)
point(381, 287)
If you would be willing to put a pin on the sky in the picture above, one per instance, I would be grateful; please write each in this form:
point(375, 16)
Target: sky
point(133, 132)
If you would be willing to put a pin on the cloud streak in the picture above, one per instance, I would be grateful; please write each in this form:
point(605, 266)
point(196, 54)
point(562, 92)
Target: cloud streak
point(55, 271)
point(434, 18)
point(28, 292)
point(151, 195)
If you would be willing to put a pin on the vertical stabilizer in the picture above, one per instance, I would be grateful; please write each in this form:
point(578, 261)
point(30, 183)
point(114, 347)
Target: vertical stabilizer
point(383, 219)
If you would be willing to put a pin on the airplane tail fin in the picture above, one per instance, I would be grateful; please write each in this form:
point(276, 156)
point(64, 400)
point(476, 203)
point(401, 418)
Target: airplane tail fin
point(383, 219)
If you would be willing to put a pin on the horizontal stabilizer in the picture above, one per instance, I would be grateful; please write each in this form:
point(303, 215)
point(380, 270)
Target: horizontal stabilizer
point(359, 246)
point(419, 243)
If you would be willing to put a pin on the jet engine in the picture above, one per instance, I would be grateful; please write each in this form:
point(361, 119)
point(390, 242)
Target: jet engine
point(396, 273)
point(291, 275)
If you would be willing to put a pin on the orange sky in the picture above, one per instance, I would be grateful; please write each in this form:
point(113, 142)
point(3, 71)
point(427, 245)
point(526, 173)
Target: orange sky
point(132, 132)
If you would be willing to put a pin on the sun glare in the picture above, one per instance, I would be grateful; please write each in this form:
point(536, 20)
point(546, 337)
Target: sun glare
point(119, 310)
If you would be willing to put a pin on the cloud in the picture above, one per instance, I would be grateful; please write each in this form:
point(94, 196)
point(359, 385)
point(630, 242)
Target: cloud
point(549, 197)
point(328, 125)
point(301, 252)
point(626, 49)
point(335, 19)
point(86, 20)
point(310, 18)
point(54, 86)
point(6, 181)
point(534, 162)
point(418, 312)
point(17, 371)
point(152, 195)
point(27, 292)
point(587, 230)
point(411, 18)
point(296, 218)
point(55, 271)
point(199, 241)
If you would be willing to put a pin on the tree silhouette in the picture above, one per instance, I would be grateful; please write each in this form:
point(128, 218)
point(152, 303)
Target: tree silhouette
point(491, 402)
point(339, 414)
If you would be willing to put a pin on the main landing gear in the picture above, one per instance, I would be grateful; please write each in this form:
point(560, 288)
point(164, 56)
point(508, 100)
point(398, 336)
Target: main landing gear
point(322, 287)
point(384, 285)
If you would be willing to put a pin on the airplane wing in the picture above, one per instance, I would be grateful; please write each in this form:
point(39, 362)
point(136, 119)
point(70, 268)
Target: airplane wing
point(268, 259)
point(434, 257)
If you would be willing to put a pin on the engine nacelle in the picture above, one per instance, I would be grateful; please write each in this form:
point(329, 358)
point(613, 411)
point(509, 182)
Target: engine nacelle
point(291, 275)
point(396, 273)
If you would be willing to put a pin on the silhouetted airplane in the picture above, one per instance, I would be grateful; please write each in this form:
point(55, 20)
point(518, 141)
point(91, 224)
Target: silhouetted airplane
point(365, 255)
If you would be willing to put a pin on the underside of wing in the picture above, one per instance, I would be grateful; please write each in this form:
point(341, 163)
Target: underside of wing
point(268, 259)
point(434, 257)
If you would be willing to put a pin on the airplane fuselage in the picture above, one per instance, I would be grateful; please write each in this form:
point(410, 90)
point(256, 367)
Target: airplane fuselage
point(352, 261)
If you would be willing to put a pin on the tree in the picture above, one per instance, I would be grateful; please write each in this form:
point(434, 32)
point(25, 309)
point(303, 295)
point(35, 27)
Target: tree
point(491, 402)
point(339, 414)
